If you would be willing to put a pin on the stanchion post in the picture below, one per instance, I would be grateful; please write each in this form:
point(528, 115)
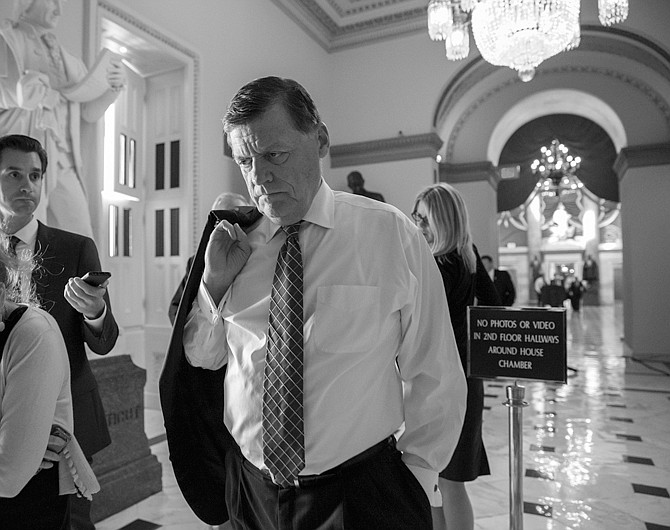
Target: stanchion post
point(515, 403)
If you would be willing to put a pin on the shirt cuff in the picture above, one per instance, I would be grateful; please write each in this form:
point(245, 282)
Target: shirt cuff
point(96, 323)
point(428, 480)
point(207, 305)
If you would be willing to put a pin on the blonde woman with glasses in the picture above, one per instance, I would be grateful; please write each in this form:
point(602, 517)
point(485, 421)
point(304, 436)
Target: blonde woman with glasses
point(440, 213)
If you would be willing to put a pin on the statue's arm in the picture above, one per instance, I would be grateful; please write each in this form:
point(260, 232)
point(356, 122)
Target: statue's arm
point(93, 110)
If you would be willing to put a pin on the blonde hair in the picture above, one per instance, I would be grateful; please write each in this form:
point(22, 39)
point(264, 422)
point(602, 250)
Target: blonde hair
point(16, 274)
point(449, 222)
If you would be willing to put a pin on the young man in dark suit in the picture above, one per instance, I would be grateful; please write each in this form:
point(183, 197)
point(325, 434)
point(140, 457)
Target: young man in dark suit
point(502, 280)
point(83, 311)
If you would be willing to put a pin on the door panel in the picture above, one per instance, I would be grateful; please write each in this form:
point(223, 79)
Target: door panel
point(166, 194)
point(123, 202)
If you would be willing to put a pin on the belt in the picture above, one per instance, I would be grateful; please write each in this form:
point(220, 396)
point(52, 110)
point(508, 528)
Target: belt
point(306, 481)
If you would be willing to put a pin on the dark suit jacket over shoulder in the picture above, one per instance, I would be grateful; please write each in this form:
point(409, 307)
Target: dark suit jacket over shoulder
point(60, 256)
point(192, 401)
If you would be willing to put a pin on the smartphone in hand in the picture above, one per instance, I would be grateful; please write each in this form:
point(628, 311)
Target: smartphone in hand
point(96, 277)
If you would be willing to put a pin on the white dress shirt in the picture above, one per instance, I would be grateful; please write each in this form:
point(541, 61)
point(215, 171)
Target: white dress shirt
point(379, 349)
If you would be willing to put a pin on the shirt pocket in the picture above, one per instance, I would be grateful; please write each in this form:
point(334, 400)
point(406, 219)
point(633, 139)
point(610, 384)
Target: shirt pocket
point(347, 318)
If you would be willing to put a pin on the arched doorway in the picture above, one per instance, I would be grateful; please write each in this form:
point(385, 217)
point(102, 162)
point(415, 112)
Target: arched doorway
point(616, 80)
point(549, 232)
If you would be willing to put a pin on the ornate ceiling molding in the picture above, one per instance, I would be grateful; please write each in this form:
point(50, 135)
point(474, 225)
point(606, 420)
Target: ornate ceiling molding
point(385, 150)
point(336, 27)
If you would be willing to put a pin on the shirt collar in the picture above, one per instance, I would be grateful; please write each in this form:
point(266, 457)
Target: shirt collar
point(321, 212)
point(28, 233)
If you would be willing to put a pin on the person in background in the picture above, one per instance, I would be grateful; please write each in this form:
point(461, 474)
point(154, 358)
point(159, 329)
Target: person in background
point(371, 350)
point(82, 311)
point(225, 201)
point(34, 101)
point(440, 213)
point(590, 270)
point(539, 285)
point(357, 186)
point(575, 292)
point(502, 280)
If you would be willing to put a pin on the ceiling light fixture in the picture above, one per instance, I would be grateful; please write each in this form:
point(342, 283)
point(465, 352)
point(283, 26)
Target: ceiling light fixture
point(519, 34)
point(556, 169)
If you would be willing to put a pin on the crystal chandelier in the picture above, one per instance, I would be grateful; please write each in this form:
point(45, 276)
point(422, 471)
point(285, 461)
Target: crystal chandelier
point(556, 168)
point(519, 34)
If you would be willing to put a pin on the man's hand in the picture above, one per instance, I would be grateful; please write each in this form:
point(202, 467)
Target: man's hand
point(227, 251)
point(86, 299)
point(51, 457)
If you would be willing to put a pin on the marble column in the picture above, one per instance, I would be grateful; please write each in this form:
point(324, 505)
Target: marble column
point(644, 187)
point(534, 237)
point(478, 184)
point(591, 247)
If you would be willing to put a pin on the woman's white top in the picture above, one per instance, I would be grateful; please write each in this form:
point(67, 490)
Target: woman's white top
point(34, 394)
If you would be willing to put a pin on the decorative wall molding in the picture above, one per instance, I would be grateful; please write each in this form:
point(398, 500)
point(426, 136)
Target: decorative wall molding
point(611, 41)
point(639, 85)
point(641, 156)
point(595, 40)
point(386, 150)
point(472, 172)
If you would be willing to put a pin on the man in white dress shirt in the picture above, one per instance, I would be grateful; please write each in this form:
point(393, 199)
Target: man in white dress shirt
point(379, 351)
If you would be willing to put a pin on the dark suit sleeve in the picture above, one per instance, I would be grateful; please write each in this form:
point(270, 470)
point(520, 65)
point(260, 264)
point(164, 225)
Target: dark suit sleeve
point(176, 297)
point(192, 402)
point(510, 289)
point(102, 341)
point(508, 293)
point(485, 290)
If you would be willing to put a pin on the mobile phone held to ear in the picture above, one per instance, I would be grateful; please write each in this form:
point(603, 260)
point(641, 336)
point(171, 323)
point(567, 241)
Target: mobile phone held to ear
point(96, 277)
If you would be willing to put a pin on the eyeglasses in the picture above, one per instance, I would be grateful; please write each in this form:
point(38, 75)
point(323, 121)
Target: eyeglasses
point(419, 219)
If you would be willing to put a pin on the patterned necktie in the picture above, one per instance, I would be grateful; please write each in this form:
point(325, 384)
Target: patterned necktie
point(13, 241)
point(283, 433)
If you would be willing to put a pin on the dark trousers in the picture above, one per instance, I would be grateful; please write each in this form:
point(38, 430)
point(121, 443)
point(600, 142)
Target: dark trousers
point(80, 510)
point(372, 490)
point(38, 506)
point(574, 302)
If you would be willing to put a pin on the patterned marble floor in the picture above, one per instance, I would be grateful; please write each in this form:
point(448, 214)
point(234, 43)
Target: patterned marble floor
point(596, 451)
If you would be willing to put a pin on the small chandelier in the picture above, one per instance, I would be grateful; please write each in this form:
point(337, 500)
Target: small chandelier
point(519, 34)
point(556, 168)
